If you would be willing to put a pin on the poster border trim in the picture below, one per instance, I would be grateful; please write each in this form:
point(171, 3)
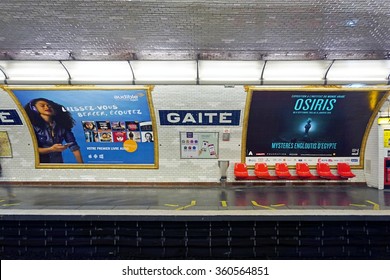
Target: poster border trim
point(330, 88)
point(38, 165)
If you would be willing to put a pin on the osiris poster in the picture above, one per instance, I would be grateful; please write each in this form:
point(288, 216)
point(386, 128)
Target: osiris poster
point(309, 125)
point(91, 127)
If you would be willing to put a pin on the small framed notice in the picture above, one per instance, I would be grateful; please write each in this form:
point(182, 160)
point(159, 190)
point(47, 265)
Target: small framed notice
point(199, 145)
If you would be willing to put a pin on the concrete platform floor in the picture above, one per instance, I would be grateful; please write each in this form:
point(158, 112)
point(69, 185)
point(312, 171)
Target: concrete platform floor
point(217, 200)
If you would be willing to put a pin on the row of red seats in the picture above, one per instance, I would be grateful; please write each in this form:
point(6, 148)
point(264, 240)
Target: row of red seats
point(302, 170)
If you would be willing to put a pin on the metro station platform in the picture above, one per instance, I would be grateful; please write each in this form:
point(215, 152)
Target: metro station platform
point(236, 220)
point(239, 199)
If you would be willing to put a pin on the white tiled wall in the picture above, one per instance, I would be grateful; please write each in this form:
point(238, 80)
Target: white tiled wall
point(371, 156)
point(376, 152)
point(171, 168)
point(21, 166)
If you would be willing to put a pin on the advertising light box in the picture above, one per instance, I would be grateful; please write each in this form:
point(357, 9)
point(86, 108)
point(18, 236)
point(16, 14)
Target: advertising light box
point(311, 125)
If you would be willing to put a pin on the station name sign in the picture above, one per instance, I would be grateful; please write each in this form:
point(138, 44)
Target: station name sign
point(9, 117)
point(200, 117)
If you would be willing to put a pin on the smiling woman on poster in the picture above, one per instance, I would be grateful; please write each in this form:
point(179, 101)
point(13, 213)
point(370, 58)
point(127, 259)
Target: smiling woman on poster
point(82, 115)
point(52, 125)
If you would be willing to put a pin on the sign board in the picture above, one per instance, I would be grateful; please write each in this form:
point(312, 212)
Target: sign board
point(200, 117)
point(199, 145)
point(9, 117)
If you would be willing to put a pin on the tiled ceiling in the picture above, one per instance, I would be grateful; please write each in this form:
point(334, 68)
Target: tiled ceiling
point(206, 29)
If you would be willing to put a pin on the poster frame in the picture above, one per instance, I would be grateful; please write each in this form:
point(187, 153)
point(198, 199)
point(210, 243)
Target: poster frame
point(323, 88)
point(4, 135)
point(148, 90)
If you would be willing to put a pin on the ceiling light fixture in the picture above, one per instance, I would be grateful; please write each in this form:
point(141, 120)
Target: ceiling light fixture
point(351, 22)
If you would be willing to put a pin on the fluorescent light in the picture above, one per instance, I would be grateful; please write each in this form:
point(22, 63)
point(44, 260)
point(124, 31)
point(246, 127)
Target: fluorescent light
point(295, 72)
point(230, 72)
point(359, 71)
point(351, 22)
point(356, 85)
point(34, 72)
point(164, 72)
point(99, 72)
point(341, 72)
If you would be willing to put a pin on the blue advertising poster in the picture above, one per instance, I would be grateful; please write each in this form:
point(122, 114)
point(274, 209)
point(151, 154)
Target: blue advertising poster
point(309, 125)
point(91, 126)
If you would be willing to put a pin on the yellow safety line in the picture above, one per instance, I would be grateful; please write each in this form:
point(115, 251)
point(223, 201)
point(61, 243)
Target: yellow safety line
point(171, 205)
point(376, 206)
point(262, 206)
point(224, 203)
point(193, 203)
point(357, 205)
point(278, 205)
point(13, 204)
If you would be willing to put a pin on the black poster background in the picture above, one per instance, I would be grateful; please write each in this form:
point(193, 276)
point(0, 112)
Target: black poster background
point(277, 119)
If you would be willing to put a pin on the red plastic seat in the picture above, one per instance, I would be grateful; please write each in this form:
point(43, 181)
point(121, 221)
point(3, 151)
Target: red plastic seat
point(323, 170)
point(240, 170)
point(344, 170)
point(282, 171)
point(261, 170)
point(303, 170)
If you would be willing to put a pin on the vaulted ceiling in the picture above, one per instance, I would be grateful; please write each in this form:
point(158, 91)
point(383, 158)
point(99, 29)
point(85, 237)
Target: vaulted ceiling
point(187, 30)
